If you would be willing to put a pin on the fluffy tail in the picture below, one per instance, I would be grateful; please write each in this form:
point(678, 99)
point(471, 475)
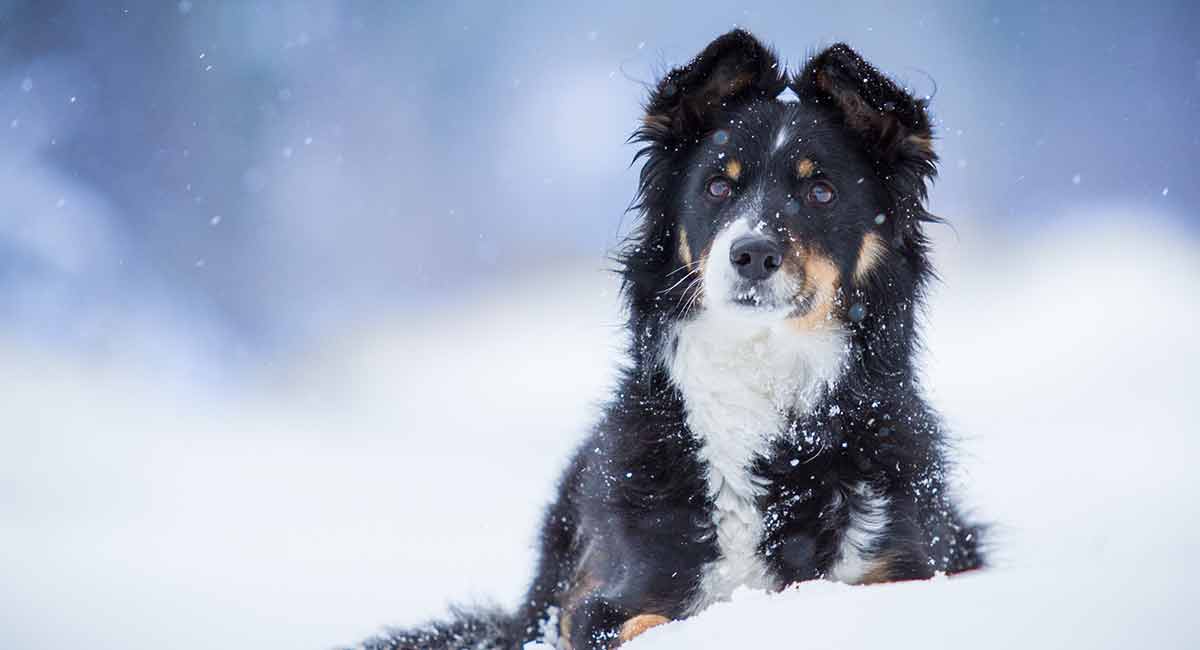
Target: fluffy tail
point(467, 629)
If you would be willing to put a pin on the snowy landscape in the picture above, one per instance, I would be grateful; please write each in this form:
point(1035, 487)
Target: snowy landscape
point(304, 305)
point(404, 466)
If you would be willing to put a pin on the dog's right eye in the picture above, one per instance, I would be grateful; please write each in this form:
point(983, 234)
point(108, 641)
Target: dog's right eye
point(720, 188)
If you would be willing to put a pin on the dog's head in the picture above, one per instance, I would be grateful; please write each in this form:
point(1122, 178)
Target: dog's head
point(807, 212)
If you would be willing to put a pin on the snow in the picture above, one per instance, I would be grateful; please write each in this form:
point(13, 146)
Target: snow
point(405, 464)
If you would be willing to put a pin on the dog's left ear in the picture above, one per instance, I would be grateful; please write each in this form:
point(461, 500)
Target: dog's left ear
point(893, 124)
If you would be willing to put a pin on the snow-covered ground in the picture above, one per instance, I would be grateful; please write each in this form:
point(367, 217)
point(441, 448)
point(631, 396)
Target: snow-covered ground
point(404, 465)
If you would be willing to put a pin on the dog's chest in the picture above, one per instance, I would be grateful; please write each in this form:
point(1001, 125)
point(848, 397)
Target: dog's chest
point(738, 388)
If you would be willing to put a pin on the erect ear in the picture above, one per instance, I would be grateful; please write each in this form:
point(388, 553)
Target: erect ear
point(893, 124)
point(733, 67)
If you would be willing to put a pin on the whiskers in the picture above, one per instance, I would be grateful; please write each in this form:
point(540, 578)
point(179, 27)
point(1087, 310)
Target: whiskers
point(690, 296)
point(685, 266)
point(693, 287)
point(692, 273)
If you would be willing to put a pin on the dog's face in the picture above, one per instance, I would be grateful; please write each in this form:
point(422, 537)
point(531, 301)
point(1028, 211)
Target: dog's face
point(777, 206)
point(768, 210)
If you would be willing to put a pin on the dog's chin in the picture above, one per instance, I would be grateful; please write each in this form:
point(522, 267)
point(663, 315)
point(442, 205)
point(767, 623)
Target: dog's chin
point(764, 308)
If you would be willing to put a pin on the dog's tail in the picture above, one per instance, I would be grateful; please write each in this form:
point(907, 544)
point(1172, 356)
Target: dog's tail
point(486, 628)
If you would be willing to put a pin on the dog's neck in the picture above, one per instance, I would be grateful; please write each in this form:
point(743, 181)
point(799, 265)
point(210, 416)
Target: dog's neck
point(739, 380)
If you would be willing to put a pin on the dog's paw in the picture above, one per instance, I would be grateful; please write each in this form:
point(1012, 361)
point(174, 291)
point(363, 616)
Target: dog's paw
point(639, 624)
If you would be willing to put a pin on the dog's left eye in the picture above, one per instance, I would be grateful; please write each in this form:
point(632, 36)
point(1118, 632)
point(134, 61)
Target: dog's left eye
point(821, 193)
point(719, 188)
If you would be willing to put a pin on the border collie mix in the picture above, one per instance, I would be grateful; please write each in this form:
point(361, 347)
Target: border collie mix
point(770, 427)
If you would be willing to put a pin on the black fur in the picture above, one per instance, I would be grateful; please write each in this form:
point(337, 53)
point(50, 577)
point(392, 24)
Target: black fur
point(630, 531)
point(465, 630)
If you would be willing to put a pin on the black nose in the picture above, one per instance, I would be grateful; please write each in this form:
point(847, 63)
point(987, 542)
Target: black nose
point(755, 257)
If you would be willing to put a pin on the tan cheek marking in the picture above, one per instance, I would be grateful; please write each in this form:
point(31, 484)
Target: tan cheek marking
point(685, 253)
point(793, 263)
point(805, 168)
point(733, 169)
point(639, 624)
point(821, 279)
point(869, 254)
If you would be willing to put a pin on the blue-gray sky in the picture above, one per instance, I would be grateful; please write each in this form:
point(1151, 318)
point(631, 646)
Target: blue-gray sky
point(253, 175)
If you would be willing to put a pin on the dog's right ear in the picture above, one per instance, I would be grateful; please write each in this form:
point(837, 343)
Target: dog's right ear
point(893, 125)
point(685, 102)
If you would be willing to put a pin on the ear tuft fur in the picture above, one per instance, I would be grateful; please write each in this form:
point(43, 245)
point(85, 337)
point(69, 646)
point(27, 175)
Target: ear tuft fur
point(733, 67)
point(894, 125)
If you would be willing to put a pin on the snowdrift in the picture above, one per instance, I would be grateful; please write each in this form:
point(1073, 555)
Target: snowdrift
point(404, 466)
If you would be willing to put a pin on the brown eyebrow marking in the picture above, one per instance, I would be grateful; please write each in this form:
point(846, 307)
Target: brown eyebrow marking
point(733, 168)
point(805, 168)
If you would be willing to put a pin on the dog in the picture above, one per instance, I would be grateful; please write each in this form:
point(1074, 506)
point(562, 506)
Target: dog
point(770, 427)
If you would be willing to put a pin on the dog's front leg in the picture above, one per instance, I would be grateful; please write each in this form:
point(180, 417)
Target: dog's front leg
point(639, 624)
point(602, 622)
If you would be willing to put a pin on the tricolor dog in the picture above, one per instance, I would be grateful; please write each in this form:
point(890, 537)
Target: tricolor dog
point(770, 427)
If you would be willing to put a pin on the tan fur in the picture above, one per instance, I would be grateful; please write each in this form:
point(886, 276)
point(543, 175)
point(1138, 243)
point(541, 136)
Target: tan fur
point(923, 144)
point(639, 624)
point(869, 254)
point(581, 590)
point(881, 571)
point(733, 168)
point(583, 584)
point(564, 630)
point(821, 281)
point(805, 168)
point(657, 123)
point(685, 252)
point(702, 265)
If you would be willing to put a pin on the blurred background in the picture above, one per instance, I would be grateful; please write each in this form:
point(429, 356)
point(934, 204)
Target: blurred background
point(303, 304)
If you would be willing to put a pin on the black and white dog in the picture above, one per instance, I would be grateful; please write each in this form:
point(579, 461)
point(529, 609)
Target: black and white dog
point(770, 428)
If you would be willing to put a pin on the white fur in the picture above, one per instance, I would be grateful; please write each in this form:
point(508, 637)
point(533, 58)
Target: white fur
point(720, 278)
point(781, 138)
point(866, 526)
point(740, 371)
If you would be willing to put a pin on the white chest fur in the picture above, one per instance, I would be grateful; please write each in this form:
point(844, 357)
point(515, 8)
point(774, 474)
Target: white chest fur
point(739, 378)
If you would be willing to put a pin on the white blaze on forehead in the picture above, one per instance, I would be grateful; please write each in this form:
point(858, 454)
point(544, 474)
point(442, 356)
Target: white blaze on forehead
point(781, 138)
